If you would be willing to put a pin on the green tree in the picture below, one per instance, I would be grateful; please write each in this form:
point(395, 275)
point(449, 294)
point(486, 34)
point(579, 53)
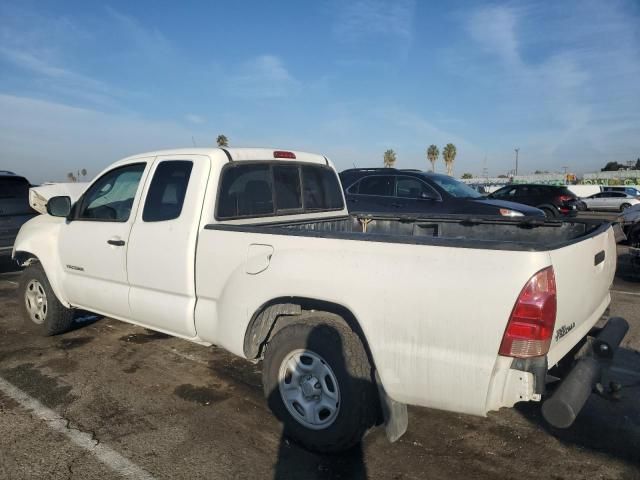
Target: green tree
point(222, 141)
point(466, 176)
point(432, 154)
point(449, 156)
point(637, 167)
point(389, 158)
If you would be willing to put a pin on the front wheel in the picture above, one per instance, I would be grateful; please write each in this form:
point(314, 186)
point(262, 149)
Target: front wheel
point(42, 311)
point(319, 382)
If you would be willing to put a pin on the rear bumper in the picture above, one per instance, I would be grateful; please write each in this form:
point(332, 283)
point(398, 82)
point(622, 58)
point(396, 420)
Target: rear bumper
point(590, 363)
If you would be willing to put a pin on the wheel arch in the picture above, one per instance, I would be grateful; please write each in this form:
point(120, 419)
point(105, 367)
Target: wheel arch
point(26, 258)
point(273, 315)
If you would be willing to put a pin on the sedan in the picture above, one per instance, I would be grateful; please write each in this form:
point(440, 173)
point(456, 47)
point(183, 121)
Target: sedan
point(618, 201)
point(387, 190)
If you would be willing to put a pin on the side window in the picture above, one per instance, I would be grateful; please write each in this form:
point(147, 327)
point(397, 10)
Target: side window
point(110, 198)
point(321, 189)
point(506, 193)
point(167, 191)
point(382, 185)
point(245, 191)
point(286, 179)
point(407, 187)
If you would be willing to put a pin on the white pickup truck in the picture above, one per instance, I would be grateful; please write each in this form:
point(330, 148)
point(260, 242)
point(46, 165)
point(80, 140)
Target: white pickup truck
point(354, 316)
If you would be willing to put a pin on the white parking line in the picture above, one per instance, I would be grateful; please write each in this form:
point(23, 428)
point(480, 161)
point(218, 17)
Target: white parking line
point(626, 293)
point(106, 455)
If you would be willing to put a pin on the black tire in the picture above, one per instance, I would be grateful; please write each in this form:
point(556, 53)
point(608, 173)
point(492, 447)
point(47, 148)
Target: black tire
point(548, 212)
point(55, 318)
point(624, 206)
point(327, 336)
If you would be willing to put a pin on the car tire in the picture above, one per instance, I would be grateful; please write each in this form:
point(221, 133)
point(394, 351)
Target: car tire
point(549, 213)
point(624, 206)
point(42, 312)
point(319, 382)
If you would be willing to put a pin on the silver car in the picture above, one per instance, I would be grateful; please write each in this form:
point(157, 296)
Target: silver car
point(618, 201)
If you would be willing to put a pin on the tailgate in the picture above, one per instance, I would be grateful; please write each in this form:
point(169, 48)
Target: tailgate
point(584, 272)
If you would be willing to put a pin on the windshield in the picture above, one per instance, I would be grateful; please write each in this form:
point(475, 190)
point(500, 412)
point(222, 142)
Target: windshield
point(454, 187)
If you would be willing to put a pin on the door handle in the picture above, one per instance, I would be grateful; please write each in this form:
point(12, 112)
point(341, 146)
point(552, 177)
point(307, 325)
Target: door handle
point(117, 243)
point(397, 205)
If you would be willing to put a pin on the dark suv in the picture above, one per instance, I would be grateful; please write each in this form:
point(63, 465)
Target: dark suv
point(554, 200)
point(387, 190)
point(14, 208)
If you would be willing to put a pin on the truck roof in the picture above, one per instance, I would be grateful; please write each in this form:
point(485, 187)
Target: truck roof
point(228, 154)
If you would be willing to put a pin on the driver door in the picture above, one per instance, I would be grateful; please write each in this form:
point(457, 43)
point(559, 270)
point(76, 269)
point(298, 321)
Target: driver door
point(93, 244)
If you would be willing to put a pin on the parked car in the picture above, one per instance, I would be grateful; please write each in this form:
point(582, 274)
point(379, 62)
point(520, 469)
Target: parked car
point(629, 220)
point(14, 208)
point(253, 250)
point(387, 190)
point(554, 200)
point(617, 201)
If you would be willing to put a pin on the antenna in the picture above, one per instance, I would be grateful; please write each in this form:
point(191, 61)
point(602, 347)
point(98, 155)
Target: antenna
point(193, 140)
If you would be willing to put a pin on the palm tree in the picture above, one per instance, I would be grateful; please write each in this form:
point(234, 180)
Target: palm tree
point(449, 156)
point(432, 154)
point(71, 177)
point(389, 158)
point(222, 141)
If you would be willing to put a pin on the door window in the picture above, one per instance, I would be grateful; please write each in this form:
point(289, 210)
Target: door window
point(505, 193)
point(381, 185)
point(407, 187)
point(167, 191)
point(110, 198)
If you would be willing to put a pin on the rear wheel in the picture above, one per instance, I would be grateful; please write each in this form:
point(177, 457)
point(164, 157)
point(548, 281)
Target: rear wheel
point(624, 206)
point(319, 382)
point(42, 311)
point(549, 213)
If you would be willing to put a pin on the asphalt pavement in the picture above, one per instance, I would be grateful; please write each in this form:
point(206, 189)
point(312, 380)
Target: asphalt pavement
point(111, 400)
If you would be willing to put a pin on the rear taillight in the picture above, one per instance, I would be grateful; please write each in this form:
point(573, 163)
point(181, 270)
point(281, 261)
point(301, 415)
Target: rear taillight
point(533, 318)
point(564, 198)
point(284, 154)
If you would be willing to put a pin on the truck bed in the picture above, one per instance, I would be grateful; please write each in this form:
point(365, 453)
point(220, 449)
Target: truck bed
point(449, 230)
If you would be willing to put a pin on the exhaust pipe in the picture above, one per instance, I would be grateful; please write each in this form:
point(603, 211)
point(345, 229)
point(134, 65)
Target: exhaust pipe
point(564, 405)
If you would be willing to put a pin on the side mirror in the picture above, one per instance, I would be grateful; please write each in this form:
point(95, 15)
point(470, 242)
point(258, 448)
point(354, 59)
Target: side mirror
point(425, 196)
point(59, 206)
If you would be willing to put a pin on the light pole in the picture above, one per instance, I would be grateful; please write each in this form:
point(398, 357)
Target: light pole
point(517, 149)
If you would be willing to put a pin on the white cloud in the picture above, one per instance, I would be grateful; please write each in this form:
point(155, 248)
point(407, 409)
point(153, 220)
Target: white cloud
point(570, 70)
point(44, 140)
point(262, 77)
point(195, 119)
point(364, 18)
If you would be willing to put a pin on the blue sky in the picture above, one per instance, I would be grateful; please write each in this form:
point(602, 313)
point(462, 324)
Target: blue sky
point(85, 83)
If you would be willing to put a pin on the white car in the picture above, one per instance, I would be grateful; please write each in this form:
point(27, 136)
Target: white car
point(617, 201)
point(354, 316)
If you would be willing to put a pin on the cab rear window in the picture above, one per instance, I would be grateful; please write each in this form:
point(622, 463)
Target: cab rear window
point(271, 189)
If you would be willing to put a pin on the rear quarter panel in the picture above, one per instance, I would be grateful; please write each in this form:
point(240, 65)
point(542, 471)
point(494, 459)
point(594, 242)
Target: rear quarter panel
point(433, 316)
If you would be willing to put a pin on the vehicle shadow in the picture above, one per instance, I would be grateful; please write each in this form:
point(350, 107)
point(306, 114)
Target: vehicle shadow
point(296, 462)
point(605, 425)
